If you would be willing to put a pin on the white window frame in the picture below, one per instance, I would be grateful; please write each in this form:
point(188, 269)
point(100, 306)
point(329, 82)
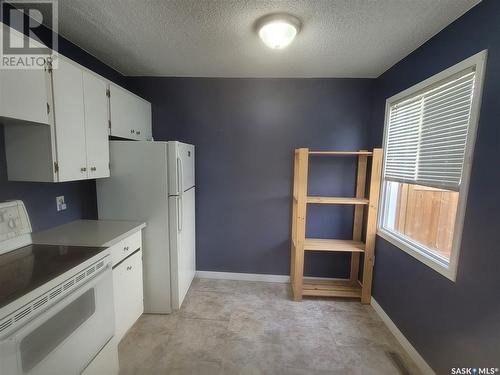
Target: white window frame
point(413, 248)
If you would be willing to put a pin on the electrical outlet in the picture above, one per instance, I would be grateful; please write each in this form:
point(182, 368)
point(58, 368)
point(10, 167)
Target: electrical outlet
point(61, 206)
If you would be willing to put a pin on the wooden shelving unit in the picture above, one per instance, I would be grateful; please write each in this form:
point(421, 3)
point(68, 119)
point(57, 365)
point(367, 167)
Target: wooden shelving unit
point(320, 244)
point(336, 288)
point(351, 287)
point(336, 200)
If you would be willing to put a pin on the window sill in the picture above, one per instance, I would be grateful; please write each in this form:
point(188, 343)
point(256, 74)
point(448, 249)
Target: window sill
point(444, 269)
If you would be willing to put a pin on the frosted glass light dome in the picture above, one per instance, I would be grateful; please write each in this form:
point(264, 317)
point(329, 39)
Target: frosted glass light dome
point(278, 30)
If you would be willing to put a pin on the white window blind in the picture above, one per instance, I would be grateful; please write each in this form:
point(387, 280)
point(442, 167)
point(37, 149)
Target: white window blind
point(427, 134)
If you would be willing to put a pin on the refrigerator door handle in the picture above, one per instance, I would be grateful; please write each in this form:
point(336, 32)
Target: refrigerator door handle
point(180, 176)
point(180, 213)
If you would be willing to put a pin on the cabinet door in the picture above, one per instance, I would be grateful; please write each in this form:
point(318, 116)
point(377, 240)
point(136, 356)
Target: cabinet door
point(69, 121)
point(24, 92)
point(23, 95)
point(143, 127)
point(127, 285)
point(130, 115)
point(96, 125)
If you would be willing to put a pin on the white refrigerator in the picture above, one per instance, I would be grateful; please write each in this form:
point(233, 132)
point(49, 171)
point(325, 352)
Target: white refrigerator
point(155, 182)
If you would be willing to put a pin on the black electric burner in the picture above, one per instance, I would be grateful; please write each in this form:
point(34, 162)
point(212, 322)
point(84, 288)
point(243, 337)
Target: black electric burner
point(29, 267)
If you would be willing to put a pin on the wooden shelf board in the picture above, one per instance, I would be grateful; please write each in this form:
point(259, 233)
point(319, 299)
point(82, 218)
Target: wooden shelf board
point(331, 288)
point(320, 244)
point(336, 200)
point(341, 153)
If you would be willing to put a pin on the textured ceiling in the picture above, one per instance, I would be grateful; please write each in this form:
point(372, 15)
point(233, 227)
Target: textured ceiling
point(216, 38)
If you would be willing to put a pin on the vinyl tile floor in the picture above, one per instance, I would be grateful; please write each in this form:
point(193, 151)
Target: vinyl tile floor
point(251, 328)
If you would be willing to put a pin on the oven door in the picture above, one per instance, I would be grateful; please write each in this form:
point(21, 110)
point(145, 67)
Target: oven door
point(66, 337)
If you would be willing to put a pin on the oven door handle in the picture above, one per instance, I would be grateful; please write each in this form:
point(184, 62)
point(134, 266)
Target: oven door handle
point(18, 334)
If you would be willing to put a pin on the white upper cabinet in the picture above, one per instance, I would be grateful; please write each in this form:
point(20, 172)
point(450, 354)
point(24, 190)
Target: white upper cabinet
point(74, 144)
point(69, 121)
point(23, 94)
point(57, 121)
point(96, 125)
point(130, 115)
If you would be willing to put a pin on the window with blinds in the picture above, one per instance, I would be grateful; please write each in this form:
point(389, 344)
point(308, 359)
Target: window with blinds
point(427, 134)
point(429, 138)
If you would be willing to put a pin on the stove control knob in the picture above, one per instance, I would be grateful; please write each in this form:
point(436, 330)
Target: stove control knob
point(11, 223)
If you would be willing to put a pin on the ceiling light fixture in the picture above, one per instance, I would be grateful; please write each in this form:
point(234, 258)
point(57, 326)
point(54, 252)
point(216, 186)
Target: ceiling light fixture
point(278, 30)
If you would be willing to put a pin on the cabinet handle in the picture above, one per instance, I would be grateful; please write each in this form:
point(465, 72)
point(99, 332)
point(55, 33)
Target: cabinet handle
point(93, 169)
point(83, 169)
point(129, 268)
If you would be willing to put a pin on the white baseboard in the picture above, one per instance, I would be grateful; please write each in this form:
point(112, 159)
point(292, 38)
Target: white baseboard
point(252, 277)
point(243, 276)
point(412, 352)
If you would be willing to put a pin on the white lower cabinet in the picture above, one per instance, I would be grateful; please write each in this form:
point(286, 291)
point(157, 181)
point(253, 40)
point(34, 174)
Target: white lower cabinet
point(128, 292)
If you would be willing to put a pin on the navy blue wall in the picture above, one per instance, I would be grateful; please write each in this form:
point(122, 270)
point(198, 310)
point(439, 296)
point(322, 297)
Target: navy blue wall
point(40, 198)
point(245, 132)
point(452, 324)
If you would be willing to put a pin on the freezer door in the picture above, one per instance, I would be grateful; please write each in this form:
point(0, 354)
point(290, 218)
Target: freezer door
point(180, 167)
point(182, 244)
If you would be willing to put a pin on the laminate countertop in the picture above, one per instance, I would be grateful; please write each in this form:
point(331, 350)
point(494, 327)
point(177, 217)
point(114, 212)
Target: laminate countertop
point(102, 233)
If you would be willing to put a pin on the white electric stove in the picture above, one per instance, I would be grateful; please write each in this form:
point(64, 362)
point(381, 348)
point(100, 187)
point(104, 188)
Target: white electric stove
point(56, 302)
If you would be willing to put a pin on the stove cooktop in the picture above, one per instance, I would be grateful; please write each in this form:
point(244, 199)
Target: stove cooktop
point(29, 267)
